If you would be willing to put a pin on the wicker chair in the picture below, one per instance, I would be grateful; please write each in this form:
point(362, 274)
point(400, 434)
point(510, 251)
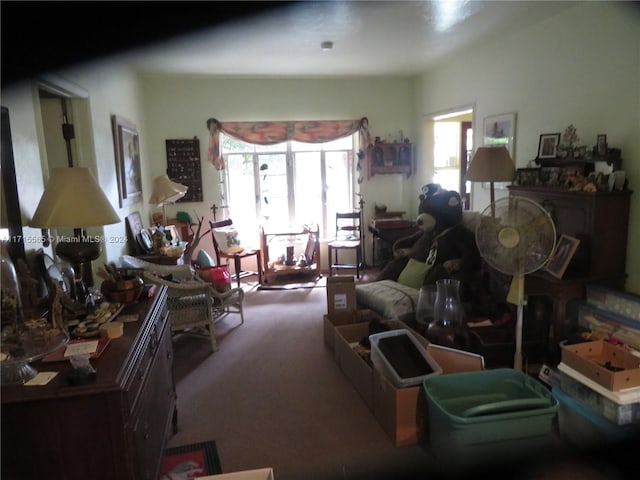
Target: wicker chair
point(193, 304)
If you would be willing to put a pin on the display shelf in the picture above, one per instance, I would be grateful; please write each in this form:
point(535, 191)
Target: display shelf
point(274, 245)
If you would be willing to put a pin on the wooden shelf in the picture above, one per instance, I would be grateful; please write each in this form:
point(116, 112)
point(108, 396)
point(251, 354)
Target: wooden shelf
point(274, 271)
point(389, 158)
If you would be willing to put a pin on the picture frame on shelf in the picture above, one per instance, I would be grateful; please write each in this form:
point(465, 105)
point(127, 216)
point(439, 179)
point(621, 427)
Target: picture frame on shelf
point(601, 145)
point(527, 177)
point(499, 130)
point(548, 145)
point(126, 142)
point(562, 254)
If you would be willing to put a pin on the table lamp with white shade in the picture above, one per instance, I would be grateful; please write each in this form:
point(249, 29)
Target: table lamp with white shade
point(72, 198)
point(166, 191)
point(491, 164)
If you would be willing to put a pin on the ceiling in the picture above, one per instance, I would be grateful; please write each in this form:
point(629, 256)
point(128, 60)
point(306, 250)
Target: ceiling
point(262, 38)
point(370, 38)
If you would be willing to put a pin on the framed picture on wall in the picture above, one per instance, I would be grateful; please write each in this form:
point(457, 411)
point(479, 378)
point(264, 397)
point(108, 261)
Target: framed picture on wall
point(500, 130)
point(126, 144)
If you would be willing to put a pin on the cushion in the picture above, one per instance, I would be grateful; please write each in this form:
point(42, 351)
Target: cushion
point(388, 298)
point(228, 241)
point(413, 273)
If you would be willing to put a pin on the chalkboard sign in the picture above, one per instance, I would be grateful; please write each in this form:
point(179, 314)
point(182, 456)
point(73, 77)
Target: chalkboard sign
point(183, 166)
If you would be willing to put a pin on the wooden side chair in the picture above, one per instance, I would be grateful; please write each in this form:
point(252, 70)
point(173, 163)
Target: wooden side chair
point(349, 237)
point(227, 247)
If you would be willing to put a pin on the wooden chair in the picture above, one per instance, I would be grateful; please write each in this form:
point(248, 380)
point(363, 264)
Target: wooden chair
point(193, 304)
point(236, 256)
point(349, 237)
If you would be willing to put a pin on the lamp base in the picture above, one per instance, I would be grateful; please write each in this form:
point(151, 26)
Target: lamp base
point(80, 254)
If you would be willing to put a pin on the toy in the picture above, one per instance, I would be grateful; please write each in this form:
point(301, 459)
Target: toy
point(444, 242)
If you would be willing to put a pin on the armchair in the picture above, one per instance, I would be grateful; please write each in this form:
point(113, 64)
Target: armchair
point(193, 304)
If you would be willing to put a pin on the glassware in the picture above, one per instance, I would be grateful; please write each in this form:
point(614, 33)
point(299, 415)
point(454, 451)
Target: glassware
point(424, 309)
point(448, 311)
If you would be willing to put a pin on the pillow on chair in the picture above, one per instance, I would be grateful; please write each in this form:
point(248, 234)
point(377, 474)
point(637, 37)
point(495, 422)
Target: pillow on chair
point(413, 274)
point(228, 241)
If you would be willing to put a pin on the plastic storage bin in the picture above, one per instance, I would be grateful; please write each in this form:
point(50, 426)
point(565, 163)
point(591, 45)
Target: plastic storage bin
point(491, 415)
point(401, 358)
point(585, 429)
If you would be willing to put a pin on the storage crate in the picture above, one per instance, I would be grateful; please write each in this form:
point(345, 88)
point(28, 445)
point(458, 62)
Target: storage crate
point(600, 402)
point(605, 324)
point(582, 428)
point(477, 417)
point(622, 303)
point(402, 358)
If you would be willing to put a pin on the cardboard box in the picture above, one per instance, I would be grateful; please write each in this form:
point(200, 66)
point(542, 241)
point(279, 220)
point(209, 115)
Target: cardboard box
point(341, 294)
point(354, 366)
point(330, 322)
point(589, 358)
point(258, 474)
point(402, 412)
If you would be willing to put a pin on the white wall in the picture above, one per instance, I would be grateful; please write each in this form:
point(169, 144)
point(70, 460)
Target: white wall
point(112, 88)
point(581, 67)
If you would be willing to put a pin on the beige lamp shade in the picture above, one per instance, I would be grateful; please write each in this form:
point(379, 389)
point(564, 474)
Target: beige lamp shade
point(491, 164)
point(72, 198)
point(166, 191)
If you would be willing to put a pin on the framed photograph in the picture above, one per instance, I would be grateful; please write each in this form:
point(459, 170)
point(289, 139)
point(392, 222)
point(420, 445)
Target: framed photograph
point(562, 255)
point(126, 144)
point(500, 130)
point(548, 145)
point(527, 177)
point(601, 145)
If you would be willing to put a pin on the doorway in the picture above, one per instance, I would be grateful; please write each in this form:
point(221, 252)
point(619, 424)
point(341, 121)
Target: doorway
point(450, 144)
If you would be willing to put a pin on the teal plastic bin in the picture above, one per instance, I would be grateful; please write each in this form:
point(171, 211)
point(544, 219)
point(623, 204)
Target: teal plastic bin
point(488, 416)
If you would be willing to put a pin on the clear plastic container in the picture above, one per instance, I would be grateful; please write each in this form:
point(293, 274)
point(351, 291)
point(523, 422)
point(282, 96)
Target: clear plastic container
point(401, 358)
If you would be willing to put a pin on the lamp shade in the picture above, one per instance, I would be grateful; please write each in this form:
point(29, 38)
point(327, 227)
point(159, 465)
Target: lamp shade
point(166, 191)
point(491, 164)
point(72, 198)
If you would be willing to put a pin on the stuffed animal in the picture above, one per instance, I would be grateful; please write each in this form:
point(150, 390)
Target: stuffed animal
point(445, 244)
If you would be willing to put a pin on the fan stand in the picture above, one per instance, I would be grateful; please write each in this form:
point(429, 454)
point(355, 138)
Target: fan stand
point(516, 297)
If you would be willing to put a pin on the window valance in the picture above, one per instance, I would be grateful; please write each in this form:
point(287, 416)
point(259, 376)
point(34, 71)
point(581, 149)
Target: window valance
point(270, 133)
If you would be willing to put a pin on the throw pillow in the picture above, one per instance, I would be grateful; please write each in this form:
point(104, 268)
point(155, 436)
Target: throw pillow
point(228, 241)
point(413, 274)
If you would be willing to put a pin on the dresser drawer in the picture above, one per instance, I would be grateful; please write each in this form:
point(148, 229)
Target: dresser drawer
point(153, 411)
point(146, 355)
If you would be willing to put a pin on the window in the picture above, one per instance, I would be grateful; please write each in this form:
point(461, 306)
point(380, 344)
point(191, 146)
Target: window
point(287, 185)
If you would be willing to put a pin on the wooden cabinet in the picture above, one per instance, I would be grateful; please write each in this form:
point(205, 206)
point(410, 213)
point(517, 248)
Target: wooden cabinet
point(599, 219)
point(274, 251)
point(116, 426)
point(387, 158)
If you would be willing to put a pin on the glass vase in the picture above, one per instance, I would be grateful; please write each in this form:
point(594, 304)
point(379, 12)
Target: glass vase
point(448, 311)
point(424, 308)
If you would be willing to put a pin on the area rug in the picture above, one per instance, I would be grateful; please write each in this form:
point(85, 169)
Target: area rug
point(190, 461)
point(319, 282)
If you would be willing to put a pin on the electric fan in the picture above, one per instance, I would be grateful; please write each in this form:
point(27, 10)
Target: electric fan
point(516, 236)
